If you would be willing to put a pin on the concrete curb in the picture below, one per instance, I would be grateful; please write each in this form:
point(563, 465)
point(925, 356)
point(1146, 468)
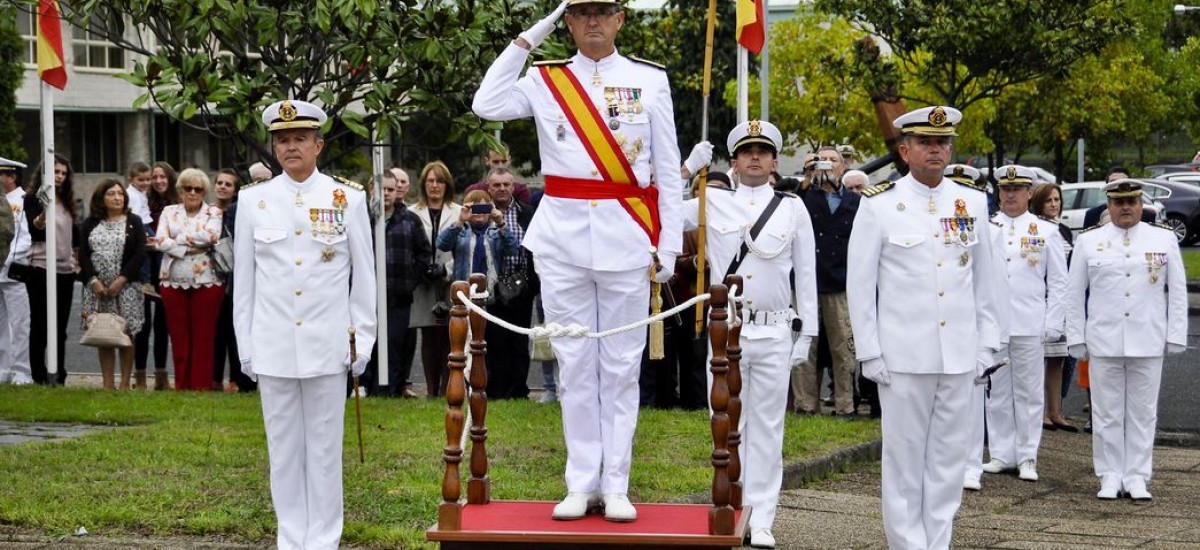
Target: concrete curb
point(1179, 439)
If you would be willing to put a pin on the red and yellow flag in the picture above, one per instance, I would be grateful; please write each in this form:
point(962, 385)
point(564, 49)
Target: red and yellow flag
point(750, 22)
point(51, 67)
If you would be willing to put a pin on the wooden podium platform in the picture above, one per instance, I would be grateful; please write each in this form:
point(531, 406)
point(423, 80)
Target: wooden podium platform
point(477, 522)
point(504, 525)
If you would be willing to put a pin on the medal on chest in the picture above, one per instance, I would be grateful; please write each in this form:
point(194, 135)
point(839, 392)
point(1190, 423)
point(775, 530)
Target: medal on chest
point(961, 227)
point(1155, 262)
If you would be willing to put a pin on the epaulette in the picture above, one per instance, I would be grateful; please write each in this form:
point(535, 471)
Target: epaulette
point(1097, 226)
point(252, 184)
point(646, 62)
point(786, 195)
point(1161, 225)
point(977, 187)
point(877, 189)
point(348, 183)
point(551, 62)
point(996, 223)
point(1045, 219)
point(718, 187)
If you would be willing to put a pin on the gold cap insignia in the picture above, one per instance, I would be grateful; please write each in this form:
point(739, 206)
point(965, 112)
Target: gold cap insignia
point(958, 172)
point(287, 111)
point(1011, 173)
point(755, 128)
point(937, 117)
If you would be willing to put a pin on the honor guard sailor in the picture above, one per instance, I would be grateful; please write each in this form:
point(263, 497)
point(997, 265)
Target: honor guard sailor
point(1127, 307)
point(764, 236)
point(920, 285)
point(304, 273)
point(1035, 265)
point(14, 300)
point(605, 126)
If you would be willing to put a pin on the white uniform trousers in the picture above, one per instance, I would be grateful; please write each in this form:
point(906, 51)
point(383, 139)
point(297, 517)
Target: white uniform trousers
point(14, 334)
point(1124, 415)
point(304, 418)
point(766, 350)
point(925, 440)
point(1015, 406)
point(976, 436)
point(598, 387)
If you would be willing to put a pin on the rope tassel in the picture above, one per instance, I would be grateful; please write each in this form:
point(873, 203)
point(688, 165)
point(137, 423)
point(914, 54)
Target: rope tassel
point(657, 340)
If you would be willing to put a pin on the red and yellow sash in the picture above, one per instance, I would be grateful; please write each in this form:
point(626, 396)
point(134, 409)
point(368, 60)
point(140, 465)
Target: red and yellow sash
point(614, 168)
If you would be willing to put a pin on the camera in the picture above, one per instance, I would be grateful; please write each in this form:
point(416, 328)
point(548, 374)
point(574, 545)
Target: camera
point(824, 165)
point(481, 208)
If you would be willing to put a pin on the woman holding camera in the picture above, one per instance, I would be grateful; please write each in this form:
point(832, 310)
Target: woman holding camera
point(111, 257)
point(431, 309)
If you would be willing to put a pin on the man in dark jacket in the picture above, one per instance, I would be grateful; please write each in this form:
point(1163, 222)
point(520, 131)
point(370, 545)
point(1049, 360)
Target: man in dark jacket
point(508, 352)
point(408, 254)
point(832, 208)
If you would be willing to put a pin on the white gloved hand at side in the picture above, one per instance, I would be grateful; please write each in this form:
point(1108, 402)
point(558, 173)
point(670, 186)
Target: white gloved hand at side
point(358, 366)
point(1078, 351)
point(540, 30)
point(984, 358)
point(248, 370)
point(876, 371)
point(800, 351)
point(664, 275)
point(1175, 349)
point(702, 154)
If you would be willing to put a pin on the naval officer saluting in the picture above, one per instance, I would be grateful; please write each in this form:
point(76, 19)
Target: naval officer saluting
point(921, 290)
point(605, 127)
point(1126, 307)
point(304, 273)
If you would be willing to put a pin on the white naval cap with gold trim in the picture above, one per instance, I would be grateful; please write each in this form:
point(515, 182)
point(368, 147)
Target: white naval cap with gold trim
point(1123, 188)
point(962, 173)
point(1015, 175)
point(929, 121)
point(754, 131)
point(581, 2)
point(292, 113)
point(10, 165)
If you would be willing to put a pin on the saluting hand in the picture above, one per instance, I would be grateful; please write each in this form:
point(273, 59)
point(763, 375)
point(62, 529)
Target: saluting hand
point(540, 30)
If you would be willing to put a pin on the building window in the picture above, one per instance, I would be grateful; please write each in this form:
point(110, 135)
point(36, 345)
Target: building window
point(91, 50)
point(27, 28)
point(95, 140)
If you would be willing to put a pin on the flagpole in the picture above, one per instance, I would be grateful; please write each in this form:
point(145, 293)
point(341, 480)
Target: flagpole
point(764, 76)
point(381, 294)
point(49, 214)
point(743, 84)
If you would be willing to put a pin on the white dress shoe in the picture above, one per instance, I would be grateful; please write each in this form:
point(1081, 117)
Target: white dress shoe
point(995, 466)
point(1108, 492)
point(1027, 470)
point(761, 537)
point(618, 508)
point(1137, 491)
point(971, 483)
point(576, 505)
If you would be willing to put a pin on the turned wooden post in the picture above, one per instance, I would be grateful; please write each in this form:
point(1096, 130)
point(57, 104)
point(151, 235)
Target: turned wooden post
point(734, 379)
point(720, 517)
point(450, 510)
point(479, 487)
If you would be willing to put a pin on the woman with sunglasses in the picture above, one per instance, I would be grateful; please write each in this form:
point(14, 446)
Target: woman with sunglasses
point(191, 290)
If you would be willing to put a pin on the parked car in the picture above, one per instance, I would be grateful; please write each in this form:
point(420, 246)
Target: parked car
point(1156, 170)
point(1190, 178)
point(1078, 198)
point(1183, 206)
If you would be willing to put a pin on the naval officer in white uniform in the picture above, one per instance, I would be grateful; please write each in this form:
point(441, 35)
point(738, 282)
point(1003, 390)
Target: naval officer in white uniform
point(14, 300)
point(1035, 265)
point(1126, 308)
point(784, 244)
point(920, 285)
point(304, 273)
point(606, 128)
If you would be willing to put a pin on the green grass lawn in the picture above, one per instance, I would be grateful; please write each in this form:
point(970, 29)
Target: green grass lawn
point(196, 463)
point(1191, 263)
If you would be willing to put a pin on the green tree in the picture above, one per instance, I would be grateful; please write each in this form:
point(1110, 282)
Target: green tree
point(12, 51)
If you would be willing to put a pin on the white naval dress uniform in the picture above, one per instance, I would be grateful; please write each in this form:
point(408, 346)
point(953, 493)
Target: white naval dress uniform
point(1136, 309)
point(304, 273)
point(785, 244)
point(924, 302)
point(591, 256)
point(14, 300)
point(1035, 265)
point(974, 471)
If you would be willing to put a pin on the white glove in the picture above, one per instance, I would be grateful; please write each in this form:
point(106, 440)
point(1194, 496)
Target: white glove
point(800, 350)
point(1078, 351)
point(1175, 349)
point(663, 276)
point(540, 30)
point(984, 358)
point(1052, 335)
point(876, 371)
point(248, 370)
point(358, 366)
point(701, 155)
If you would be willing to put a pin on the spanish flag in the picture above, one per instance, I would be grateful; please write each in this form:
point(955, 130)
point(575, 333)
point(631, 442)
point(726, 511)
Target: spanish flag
point(51, 68)
point(750, 21)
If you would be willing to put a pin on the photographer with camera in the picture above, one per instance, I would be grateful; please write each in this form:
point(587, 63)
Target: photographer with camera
point(832, 208)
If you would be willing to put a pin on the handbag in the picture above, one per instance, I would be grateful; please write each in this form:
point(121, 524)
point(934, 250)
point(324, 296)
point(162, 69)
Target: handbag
point(222, 256)
point(511, 286)
point(105, 330)
point(20, 272)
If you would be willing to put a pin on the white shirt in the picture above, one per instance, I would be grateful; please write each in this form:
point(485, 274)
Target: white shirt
point(921, 285)
point(596, 234)
point(19, 248)
point(304, 273)
point(139, 204)
point(1035, 265)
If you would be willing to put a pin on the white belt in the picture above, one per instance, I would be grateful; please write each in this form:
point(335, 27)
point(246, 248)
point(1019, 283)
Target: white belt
point(763, 317)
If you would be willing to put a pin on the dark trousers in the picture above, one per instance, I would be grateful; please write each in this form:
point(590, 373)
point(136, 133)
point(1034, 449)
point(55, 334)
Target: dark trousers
point(38, 339)
point(227, 348)
point(679, 367)
point(155, 321)
point(435, 354)
point(399, 362)
point(507, 351)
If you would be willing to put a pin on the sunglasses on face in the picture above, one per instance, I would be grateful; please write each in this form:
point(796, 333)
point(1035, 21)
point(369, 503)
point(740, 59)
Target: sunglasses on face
point(189, 189)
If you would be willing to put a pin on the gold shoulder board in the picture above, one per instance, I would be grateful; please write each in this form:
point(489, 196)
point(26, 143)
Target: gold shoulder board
point(1097, 226)
point(551, 62)
point(1161, 225)
point(877, 189)
point(252, 184)
point(351, 184)
point(659, 66)
point(979, 188)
